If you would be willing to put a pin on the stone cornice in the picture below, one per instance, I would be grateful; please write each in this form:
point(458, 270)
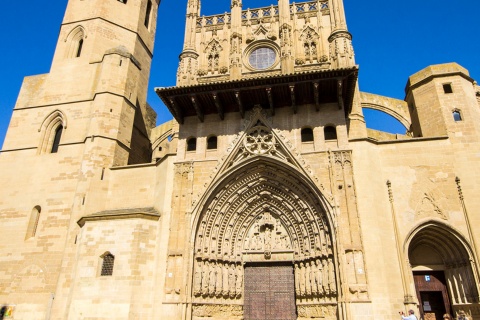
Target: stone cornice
point(135, 213)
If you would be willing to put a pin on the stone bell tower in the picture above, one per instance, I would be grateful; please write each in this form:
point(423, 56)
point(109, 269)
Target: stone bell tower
point(97, 83)
point(68, 127)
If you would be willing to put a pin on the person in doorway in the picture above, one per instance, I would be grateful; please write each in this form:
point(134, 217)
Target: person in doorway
point(3, 311)
point(411, 315)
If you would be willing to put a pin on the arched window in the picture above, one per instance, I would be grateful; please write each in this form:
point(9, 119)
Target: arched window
point(108, 261)
point(307, 135)
point(56, 139)
point(51, 132)
point(330, 133)
point(75, 42)
point(33, 222)
point(457, 116)
point(192, 144)
point(212, 143)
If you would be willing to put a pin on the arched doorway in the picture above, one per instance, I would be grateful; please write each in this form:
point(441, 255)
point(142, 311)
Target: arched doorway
point(264, 247)
point(442, 269)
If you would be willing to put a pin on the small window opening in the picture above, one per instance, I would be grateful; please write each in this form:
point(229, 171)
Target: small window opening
point(79, 49)
point(56, 139)
point(107, 264)
point(330, 133)
point(33, 222)
point(307, 135)
point(160, 148)
point(148, 13)
point(192, 144)
point(457, 116)
point(447, 88)
point(212, 143)
point(123, 1)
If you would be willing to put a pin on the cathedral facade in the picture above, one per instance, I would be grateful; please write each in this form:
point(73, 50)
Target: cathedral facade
point(266, 197)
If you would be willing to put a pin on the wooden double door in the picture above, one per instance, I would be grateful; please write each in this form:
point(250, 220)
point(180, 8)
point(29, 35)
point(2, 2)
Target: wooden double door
point(432, 294)
point(269, 292)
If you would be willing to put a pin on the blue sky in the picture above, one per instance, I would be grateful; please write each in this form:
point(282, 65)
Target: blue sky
point(392, 40)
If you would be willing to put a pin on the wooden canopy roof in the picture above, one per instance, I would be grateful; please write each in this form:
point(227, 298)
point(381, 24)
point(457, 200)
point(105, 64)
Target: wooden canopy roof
point(293, 90)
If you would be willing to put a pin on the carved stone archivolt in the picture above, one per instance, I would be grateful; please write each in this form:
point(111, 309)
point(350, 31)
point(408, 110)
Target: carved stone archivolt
point(263, 208)
point(266, 211)
point(258, 124)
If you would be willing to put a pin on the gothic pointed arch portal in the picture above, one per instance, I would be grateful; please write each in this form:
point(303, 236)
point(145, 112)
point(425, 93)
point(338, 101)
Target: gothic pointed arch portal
point(443, 269)
point(263, 212)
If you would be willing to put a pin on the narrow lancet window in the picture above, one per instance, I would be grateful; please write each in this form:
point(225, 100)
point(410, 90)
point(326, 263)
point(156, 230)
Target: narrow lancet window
point(148, 13)
point(56, 139)
point(79, 49)
point(33, 222)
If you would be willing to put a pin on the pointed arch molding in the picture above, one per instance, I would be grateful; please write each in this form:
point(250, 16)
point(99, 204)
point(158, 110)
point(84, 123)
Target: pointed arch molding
point(261, 177)
point(444, 238)
point(52, 117)
point(458, 257)
point(48, 128)
point(77, 32)
point(263, 204)
point(259, 190)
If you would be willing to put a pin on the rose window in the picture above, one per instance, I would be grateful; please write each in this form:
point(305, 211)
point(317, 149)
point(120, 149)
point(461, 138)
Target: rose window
point(259, 140)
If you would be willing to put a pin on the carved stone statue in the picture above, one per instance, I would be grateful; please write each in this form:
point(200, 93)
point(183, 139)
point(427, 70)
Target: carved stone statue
point(213, 245)
point(197, 284)
point(308, 283)
point(313, 272)
point(297, 279)
point(246, 245)
point(325, 277)
point(226, 248)
point(318, 243)
point(302, 279)
point(239, 281)
point(219, 280)
point(225, 270)
point(205, 273)
point(268, 238)
point(212, 279)
point(331, 276)
point(231, 280)
point(253, 243)
point(319, 276)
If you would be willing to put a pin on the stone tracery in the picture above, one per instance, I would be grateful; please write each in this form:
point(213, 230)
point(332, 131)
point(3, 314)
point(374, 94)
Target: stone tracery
point(310, 43)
